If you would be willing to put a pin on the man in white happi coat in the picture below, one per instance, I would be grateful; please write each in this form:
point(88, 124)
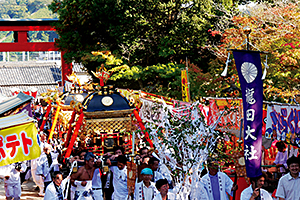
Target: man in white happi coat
point(55, 190)
point(145, 190)
point(83, 179)
point(12, 182)
point(119, 178)
point(108, 188)
point(47, 163)
point(38, 179)
point(216, 183)
point(255, 191)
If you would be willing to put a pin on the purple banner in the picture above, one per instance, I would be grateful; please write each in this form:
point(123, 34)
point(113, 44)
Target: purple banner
point(249, 69)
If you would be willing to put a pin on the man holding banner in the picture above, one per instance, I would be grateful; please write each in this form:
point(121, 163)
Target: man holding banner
point(217, 184)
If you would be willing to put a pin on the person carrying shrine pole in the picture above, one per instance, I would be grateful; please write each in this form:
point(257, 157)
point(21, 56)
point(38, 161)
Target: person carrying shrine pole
point(38, 179)
point(84, 178)
point(145, 190)
point(47, 164)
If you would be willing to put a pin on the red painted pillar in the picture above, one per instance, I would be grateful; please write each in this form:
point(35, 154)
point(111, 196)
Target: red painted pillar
point(22, 36)
point(66, 69)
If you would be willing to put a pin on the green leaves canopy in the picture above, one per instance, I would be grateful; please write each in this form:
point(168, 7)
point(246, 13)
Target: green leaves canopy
point(143, 32)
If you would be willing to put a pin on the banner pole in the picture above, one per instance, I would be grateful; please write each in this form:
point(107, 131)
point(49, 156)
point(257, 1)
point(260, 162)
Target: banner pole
point(187, 78)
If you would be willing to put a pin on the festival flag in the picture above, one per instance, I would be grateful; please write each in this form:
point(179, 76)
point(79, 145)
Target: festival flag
point(249, 69)
point(185, 86)
point(18, 143)
point(283, 124)
point(230, 121)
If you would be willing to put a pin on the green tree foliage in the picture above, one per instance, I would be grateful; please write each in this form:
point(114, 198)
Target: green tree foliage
point(143, 32)
point(161, 79)
point(152, 37)
point(274, 30)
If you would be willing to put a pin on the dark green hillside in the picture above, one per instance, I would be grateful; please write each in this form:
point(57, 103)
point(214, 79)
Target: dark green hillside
point(26, 9)
point(20, 9)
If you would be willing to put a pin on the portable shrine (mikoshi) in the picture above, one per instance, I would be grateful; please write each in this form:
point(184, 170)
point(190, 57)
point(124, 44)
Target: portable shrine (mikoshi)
point(108, 118)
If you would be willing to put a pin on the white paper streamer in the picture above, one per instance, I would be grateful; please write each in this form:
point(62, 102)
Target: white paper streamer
point(184, 138)
point(265, 70)
point(224, 73)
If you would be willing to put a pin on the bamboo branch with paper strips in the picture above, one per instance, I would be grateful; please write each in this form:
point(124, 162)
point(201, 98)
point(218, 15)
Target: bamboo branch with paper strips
point(187, 142)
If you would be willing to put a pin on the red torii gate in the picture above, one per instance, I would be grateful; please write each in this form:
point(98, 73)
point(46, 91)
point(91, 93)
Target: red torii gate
point(21, 27)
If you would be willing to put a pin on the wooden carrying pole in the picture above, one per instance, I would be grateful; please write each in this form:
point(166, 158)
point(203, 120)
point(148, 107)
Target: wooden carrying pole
point(70, 128)
point(45, 117)
point(54, 123)
point(74, 135)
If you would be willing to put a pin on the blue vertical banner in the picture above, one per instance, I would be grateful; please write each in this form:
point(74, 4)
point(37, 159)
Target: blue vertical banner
point(249, 69)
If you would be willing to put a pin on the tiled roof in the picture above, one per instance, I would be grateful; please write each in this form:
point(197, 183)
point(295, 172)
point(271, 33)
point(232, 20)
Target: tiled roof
point(25, 75)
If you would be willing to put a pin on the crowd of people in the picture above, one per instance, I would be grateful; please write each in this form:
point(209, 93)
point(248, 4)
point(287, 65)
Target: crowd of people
point(85, 176)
